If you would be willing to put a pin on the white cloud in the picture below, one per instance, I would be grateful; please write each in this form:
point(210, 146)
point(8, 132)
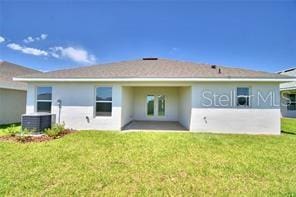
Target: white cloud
point(34, 51)
point(2, 39)
point(43, 36)
point(54, 54)
point(14, 46)
point(38, 38)
point(29, 39)
point(27, 50)
point(75, 54)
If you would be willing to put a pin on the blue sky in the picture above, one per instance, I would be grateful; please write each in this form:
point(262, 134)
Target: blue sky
point(50, 35)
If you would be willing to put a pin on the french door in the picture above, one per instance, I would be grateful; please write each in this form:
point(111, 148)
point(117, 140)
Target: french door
point(155, 105)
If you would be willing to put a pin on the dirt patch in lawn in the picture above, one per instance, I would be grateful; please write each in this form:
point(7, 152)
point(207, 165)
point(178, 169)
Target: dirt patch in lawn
point(35, 138)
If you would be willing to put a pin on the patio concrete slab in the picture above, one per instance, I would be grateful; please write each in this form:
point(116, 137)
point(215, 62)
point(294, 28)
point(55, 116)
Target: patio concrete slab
point(155, 126)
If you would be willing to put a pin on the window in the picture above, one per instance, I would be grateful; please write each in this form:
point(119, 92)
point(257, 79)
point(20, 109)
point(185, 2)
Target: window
point(243, 97)
point(291, 105)
point(103, 101)
point(44, 99)
point(150, 105)
point(161, 105)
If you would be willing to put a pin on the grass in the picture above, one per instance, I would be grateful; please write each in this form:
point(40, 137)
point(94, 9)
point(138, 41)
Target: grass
point(120, 164)
point(3, 128)
point(289, 125)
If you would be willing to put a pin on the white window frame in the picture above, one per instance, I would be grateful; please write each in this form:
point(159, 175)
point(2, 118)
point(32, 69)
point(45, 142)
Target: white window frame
point(44, 101)
point(95, 107)
point(249, 96)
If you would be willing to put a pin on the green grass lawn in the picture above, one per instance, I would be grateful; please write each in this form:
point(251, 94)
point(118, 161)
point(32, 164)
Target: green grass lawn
point(109, 163)
point(288, 125)
point(4, 128)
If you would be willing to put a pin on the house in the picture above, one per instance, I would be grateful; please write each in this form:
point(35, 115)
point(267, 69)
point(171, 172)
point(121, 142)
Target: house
point(12, 93)
point(156, 92)
point(288, 95)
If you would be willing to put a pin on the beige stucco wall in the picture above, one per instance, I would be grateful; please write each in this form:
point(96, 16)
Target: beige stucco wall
point(12, 105)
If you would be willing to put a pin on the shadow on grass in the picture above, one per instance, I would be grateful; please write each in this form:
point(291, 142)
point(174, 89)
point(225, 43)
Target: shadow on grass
point(289, 133)
point(4, 126)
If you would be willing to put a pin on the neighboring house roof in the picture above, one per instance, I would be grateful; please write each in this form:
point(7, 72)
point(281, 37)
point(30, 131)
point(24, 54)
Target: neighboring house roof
point(9, 70)
point(287, 71)
point(153, 69)
point(290, 85)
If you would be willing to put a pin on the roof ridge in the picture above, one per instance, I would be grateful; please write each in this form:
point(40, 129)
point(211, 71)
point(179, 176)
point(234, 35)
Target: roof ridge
point(127, 61)
point(90, 66)
point(160, 68)
point(4, 62)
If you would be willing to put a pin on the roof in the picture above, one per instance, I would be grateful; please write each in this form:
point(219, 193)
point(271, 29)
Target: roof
point(288, 72)
point(290, 85)
point(152, 69)
point(9, 70)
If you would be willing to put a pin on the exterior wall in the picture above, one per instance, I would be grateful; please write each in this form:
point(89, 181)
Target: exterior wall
point(184, 103)
point(127, 105)
point(185, 106)
point(78, 105)
point(172, 99)
point(260, 118)
point(12, 105)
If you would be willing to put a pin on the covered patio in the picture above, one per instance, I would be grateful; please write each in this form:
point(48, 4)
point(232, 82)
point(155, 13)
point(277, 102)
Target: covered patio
point(158, 108)
point(154, 126)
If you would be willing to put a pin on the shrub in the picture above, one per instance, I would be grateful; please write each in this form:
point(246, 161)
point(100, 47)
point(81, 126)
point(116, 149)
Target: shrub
point(55, 130)
point(12, 130)
point(23, 134)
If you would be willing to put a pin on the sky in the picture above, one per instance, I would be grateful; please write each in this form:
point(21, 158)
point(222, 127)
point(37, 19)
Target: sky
point(52, 35)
